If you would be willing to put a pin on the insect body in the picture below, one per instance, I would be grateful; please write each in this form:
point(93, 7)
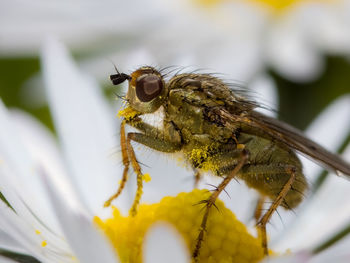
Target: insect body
point(220, 132)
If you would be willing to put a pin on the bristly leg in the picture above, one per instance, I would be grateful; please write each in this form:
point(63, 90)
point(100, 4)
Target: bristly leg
point(197, 179)
point(138, 172)
point(211, 202)
point(259, 208)
point(279, 199)
point(126, 163)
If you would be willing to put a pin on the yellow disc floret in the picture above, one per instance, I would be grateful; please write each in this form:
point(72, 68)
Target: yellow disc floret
point(274, 5)
point(226, 239)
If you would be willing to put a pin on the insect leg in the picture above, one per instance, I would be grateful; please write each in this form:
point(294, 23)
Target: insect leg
point(137, 170)
point(154, 143)
point(211, 201)
point(126, 163)
point(167, 140)
point(197, 178)
point(279, 199)
point(259, 208)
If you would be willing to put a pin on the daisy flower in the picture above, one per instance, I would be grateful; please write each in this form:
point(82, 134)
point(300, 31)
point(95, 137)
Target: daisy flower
point(55, 193)
point(233, 36)
point(242, 38)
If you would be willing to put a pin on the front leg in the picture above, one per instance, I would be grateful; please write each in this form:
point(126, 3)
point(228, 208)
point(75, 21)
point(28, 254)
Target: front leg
point(154, 143)
point(152, 137)
point(167, 139)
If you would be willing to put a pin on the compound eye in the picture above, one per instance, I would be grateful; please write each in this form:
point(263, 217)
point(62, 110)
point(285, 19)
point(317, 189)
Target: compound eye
point(148, 87)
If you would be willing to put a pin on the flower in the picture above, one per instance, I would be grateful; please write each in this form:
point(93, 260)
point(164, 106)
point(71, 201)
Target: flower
point(246, 37)
point(227, 239)
point(241, 37)
point(55, 194)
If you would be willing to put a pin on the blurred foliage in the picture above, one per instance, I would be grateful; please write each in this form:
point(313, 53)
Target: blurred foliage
point(17, 257)
point(299, 103)
point(14, 73)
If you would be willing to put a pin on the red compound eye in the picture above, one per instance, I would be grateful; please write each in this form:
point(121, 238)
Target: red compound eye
point(148, 87)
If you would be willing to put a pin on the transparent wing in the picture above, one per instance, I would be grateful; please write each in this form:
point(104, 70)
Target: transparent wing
point(274, 129)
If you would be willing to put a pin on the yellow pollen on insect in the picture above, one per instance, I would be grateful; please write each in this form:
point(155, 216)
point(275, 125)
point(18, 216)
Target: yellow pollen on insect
point(226, 239)
point(146, 177)
point(240, 146)
point(44, 243)
point(37, 232)
point(128, 113)
point(201, 158)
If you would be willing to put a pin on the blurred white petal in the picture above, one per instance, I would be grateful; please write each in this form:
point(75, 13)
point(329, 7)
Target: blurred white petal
point(6, 260)
point(329, 129)
point(169, 176)
point(336, 115)
point(85, 125)
point(338, 252)
point(78, 23)
point(266, 93)
point(21, 229)
point(326, 213)
point(8, 242)
point(18, 171)
point(42, 147)
point(327, 27)
point(85, 239)
point(240, 199)
point(293, 258)
point(164, 244)
point(291, 55)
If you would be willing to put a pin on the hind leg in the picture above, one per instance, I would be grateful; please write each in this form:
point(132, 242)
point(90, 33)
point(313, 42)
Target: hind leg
point(277, 202)
point(211, 201)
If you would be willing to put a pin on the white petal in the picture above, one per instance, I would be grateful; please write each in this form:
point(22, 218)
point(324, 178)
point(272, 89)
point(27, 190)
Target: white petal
point(42, 147)
point(85, 125)
point(325, 214)
point(19, 181)
point(25, 25)
point(23, 232)
point(294, 258)
point(329, 129)
point(265, 90)
point(336, 115)
point(87, 242)
point(168, 177)
point(327, 26)
point(240, 199)
point(164, 244)
point(8, 242)
point(290, 54)
point(338, 252)
point(6, 260)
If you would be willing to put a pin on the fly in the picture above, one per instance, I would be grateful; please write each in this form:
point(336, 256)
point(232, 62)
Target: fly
point(218, 131)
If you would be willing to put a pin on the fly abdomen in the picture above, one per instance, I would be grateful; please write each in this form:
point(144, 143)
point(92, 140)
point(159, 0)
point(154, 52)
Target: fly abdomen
point(269, 168)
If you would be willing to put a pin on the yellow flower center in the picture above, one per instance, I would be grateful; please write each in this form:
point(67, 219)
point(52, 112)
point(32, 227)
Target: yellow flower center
point(281, 5)
point(275, 5)
point(226, 239)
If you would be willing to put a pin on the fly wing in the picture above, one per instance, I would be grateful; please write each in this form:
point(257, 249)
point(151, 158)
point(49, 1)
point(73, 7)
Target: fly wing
point(284, 133)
